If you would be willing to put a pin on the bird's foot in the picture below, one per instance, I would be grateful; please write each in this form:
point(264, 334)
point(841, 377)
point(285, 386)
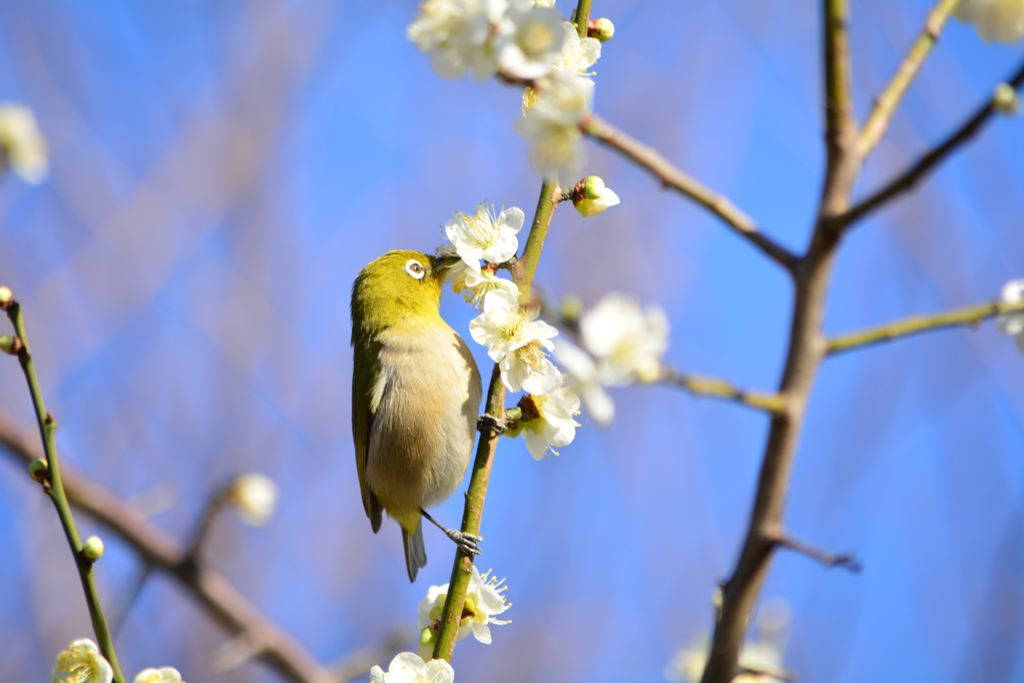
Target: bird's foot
point(489, 423)
point(467, 542)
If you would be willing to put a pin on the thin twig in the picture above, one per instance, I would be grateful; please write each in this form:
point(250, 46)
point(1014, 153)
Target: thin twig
point(223, 602)
point(47, 428)
point(671, 176)
point(829, 560)
point(886, 103)
point(968, 316)
point(906, 180)
point(713, 387)
point(581, 16)
point(524, 270)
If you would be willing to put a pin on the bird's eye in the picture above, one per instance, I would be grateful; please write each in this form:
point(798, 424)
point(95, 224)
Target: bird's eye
point(414, 268)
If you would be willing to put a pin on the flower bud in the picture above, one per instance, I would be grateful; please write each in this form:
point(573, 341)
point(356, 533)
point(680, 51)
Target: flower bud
point(427, 636)
point(93, 548)
point(6, 297)
point(1005, 100)
point(255, 497)
point(10, 345)
point(602, 29)
point(593, 198)
point(39, 470)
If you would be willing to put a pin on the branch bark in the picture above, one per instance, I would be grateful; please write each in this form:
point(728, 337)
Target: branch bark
point(228, 607)
point(713, 387)
point(672, 177)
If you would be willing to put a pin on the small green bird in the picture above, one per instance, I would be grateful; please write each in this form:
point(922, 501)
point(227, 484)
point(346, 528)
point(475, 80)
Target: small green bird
point(415, 397)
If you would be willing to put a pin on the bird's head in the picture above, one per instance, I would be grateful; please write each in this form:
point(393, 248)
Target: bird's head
point(400, 285)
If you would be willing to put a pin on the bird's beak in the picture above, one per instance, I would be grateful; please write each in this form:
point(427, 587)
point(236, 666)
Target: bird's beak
point(444, 263)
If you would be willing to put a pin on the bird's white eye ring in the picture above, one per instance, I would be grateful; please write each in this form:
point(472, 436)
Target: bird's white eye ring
point(415, 268)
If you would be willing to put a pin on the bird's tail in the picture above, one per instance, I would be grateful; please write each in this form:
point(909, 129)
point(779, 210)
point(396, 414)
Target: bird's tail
point(415, 553)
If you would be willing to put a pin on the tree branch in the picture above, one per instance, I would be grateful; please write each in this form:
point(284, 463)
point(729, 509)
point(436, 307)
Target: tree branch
point(523, 271)
point(670, 176)
point(53, 485)
point(969, 316)
point(702, 385)
point(906, 180)
point(807, 348)
point(233, 611)
point(829, 560)
point(886, 103)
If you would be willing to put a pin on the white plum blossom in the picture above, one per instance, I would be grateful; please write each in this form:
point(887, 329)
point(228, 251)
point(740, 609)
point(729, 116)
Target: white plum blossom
point(1000, 20)
point(82, 662)
point(551, 125)
point(583, 379)
point(547, 421)
point(486, 235)
point(167, 674)
point(407, 667)
point(517, 342)
point(459, 36)
point(255, 497)
point(595, 197)
point(1012, 324)
point(578, 54)
point(485, 600)
point(476, 284)
point(531, 41)
point(22, 146)
point(627, 342)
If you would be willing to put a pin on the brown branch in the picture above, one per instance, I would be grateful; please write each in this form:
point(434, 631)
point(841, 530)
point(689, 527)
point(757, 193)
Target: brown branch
point(232, 610)
point(807, 346)
point(672, 177)
point(829, 560)
point(886, 103)
point(909, 178)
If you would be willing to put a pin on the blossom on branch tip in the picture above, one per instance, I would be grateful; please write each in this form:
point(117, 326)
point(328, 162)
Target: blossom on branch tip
point(531, 41)
point(459, 36)
point(82, 663)
point(1000, 20)
point(517, 342)
point(583, 379)
point(552, 127)
point(594, 197)
point(547, 421)
point(1005, 100)
point(407, 667)
point(1012, 324)
point(626, 341)
point(484, 601)
point(255, 497)
point(485, 234)
point(168, 674)
point(22, 144)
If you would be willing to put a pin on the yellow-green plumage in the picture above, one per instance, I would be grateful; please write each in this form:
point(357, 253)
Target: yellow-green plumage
point(415, 395)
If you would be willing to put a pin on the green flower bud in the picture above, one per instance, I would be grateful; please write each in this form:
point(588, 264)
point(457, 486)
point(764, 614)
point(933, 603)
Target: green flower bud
point(1005, 99)
point(39, 470)
point(93, 548)
point(602, 29)
point(6, 297)
point(427, 636)
point(10, 345)
point(593, 198)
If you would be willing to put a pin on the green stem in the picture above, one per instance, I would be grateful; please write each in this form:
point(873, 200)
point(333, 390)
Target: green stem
point(47, 429)
point(488, 444)
point(581, 16)
point(969, 316)
point(702, 385)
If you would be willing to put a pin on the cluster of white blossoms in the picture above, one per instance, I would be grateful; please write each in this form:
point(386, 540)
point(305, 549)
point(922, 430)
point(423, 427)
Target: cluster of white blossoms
point(407, 667)
point(1012, 324)
point(1000, 20)
point(515, 340)
point(22, 146)
point(82, 662)
point(485, 600)
point(523, 40)
point(622, 344)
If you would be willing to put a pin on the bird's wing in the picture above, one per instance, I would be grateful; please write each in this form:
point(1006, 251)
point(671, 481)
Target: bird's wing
point(366, 371)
